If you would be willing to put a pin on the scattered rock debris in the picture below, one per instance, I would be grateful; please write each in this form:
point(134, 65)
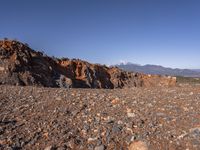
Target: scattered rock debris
point(128, 119)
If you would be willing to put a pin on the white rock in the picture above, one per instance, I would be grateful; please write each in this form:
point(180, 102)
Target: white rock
point(131, 115)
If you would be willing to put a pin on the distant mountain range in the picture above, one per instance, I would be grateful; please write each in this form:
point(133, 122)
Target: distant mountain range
point(198, 70)
point(155, 69)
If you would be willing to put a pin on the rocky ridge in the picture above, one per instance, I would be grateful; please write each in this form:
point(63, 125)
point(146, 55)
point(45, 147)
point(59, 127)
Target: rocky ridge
point(20, 65)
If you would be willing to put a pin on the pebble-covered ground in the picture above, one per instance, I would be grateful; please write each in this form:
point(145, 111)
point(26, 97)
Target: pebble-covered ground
point(90, 119)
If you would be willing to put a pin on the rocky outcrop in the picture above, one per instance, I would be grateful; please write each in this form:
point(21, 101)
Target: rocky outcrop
point(23, 66)
point(20, 65)
point(157, 80)
point(84, 74)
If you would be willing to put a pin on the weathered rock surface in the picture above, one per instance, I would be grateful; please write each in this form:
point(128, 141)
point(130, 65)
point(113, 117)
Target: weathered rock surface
point(20, 65)
point(73, 119)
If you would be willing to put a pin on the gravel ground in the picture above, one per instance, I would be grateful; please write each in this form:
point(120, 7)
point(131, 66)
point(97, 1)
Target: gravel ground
point(52, 118)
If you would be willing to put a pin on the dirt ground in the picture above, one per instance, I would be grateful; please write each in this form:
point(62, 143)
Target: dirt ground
point(53, 118)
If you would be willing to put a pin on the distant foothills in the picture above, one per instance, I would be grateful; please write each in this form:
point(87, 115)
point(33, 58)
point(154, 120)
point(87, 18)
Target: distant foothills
point(156, 69)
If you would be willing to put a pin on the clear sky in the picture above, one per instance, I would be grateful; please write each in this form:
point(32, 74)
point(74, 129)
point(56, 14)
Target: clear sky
point(162, 32)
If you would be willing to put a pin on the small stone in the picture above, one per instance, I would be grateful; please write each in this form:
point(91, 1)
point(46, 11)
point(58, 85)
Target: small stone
point(109, 120)
point(116, 129)
point(128, 110)
point(86, 127)
point(58, 98)
point(195, 132)
point(150, 105)
point(92, 139)
point(131, 115)
point(50, 148)
point(2, 69)
point(115, 101)
point(129, 129)
point(98, 114)
point(191, 93)
point(138, 145)
point(119, 122)
point(100, 147)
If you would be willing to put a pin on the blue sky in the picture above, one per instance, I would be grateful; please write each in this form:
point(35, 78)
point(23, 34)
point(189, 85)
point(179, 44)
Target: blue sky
point(162, 32)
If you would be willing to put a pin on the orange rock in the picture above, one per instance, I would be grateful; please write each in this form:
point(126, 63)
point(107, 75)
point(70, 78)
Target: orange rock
point(46, 135)
point(115, 101)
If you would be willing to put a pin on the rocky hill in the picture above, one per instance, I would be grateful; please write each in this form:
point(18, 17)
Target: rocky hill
point(20, 65)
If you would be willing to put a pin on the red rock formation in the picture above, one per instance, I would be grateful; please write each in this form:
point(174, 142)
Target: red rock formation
point(23, 66)
point(20, 65)
point(158, 80)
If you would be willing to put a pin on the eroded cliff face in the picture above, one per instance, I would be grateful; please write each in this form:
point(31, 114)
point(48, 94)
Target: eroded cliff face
point(23, 66)
point(20, 65)
point(93, 75)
